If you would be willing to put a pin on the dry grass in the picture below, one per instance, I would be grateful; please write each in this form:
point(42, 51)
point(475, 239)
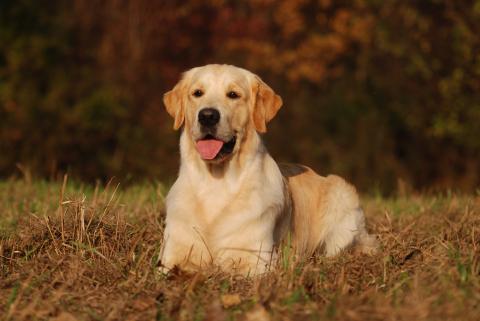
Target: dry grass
point(79, 253)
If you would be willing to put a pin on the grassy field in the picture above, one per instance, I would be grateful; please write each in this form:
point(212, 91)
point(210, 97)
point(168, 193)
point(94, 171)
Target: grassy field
point(73, 252)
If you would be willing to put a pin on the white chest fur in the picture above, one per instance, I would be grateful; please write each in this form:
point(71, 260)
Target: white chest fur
point(224, 218)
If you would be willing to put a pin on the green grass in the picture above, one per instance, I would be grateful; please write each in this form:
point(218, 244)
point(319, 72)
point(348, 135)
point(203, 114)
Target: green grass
point(80, 252)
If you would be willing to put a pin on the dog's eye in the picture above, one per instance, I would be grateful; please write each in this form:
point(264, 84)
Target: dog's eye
point(198, 93)
point(233, 95)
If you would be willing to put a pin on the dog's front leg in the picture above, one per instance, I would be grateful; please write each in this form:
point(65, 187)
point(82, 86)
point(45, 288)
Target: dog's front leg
point(247, 247)
point(184, 249)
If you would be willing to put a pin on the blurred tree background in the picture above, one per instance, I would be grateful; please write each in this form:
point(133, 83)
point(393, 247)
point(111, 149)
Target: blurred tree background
point(380, 92)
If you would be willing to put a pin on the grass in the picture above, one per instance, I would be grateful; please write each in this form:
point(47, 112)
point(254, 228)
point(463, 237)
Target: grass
point(76, 252)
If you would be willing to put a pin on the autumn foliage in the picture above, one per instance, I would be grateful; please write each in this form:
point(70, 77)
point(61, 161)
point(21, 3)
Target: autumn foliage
point(378, 91)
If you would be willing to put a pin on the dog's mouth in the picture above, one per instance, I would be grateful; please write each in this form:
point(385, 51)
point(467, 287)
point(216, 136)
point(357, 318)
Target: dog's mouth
point(212, 148)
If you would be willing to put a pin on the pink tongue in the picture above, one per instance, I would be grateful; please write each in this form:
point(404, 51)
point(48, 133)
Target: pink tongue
point(209, 148)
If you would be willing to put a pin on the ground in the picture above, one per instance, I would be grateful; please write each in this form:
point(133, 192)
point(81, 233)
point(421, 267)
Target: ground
point(76, 252)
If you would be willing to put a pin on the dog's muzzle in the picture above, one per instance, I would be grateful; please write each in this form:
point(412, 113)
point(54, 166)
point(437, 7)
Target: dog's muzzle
point(213, 147)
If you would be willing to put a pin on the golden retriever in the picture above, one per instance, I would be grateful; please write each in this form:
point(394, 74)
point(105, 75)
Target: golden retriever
point(232, 204)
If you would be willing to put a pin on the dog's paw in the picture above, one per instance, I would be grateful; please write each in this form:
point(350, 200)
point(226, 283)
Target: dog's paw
point(367, 244)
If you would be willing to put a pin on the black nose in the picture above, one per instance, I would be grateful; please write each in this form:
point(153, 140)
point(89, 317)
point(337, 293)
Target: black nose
point(208, 117)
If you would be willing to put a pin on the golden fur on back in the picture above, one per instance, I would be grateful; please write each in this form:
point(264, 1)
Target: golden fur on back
point(232, 212)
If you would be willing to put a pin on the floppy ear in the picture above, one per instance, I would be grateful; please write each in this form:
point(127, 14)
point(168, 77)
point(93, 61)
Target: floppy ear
point(266, 105)
point(175, 105)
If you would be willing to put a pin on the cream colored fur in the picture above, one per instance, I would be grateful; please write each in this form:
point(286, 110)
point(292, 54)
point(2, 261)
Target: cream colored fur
point(232, 213)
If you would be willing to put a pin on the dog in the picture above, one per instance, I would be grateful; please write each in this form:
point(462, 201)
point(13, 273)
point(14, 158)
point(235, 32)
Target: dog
point(232, 204)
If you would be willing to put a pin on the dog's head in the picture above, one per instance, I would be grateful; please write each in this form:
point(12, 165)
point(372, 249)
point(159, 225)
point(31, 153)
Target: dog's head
point(219, 105)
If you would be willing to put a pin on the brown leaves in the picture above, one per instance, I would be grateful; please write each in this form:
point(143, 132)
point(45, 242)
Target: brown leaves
point(258, 313)
point(394, 71)
point(230, 300)
point(65, 316)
